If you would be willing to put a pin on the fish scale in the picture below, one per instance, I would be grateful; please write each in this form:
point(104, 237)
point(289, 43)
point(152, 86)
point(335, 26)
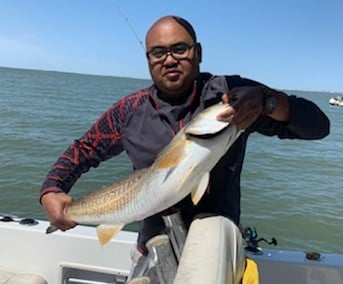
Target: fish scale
point(181, 168)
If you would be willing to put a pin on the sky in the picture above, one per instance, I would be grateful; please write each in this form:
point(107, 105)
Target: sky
point(293, 44)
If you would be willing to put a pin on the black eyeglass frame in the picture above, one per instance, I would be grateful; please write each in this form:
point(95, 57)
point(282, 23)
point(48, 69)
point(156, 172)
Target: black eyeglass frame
point(167, 51)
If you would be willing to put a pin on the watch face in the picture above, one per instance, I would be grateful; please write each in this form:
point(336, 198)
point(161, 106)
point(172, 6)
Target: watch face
point(270, 104)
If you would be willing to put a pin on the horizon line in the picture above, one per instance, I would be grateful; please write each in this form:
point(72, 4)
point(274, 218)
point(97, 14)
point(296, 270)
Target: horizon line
point(148, 79)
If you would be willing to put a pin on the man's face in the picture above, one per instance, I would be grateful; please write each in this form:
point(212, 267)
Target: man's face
point(173, 77)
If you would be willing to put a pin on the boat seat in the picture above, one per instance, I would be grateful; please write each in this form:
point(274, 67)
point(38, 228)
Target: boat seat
point(20, 278)
point(213, 253)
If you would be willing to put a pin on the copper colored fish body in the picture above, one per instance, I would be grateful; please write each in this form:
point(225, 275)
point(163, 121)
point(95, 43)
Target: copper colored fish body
point(181, 168)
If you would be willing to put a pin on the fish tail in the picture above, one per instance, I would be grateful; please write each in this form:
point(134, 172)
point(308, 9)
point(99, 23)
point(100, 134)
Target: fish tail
point(51, 229)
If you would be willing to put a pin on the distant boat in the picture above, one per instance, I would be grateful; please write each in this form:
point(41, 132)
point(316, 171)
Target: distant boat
point(336, 101)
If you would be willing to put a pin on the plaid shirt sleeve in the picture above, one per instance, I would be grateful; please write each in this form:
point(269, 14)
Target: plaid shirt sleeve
point(101, 142)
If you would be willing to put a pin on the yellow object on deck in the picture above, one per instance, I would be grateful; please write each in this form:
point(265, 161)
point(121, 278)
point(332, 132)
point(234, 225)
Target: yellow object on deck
point(251, 274)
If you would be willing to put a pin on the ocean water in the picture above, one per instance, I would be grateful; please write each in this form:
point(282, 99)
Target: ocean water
point(291, 190)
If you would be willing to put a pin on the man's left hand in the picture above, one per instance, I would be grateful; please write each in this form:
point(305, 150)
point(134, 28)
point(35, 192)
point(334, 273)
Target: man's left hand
point(245, 106)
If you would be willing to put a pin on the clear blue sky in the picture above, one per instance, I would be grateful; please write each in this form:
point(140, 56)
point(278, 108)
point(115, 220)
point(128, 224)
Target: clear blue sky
point(293, 44)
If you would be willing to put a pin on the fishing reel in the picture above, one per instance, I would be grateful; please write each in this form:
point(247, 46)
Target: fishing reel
point(251, 238)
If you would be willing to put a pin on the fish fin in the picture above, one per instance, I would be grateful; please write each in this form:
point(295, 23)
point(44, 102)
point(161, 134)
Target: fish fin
point(206, 122)
point(173, 157)
point(106, 232)
point(51, 229)
point(199, 191)
point(211, 128)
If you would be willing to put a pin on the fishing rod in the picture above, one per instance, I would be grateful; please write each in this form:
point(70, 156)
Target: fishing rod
point(130, 26)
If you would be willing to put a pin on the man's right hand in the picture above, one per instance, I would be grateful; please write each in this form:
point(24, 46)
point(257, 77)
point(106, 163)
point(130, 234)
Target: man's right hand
point(55, 205)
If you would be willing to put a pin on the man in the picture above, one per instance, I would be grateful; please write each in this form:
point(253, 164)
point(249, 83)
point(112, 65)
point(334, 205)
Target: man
point(143, 123)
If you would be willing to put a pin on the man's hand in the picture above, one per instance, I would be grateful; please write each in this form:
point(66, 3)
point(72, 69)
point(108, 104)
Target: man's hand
point(245, 106)
point(55, 205)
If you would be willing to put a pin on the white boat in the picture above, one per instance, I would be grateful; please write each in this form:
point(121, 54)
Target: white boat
point(337, 101)
point(77, 257)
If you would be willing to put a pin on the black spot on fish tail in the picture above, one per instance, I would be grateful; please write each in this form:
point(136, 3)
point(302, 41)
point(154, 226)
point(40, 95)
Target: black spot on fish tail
point(51, 229)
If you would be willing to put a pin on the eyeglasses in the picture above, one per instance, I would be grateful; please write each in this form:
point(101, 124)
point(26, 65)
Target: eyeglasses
point(178, 51)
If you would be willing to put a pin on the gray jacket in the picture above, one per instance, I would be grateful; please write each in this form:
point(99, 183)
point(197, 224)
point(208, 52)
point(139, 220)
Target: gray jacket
point(141, 124)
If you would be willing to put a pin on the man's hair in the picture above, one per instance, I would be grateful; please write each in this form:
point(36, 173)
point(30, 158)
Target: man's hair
point(187, 26)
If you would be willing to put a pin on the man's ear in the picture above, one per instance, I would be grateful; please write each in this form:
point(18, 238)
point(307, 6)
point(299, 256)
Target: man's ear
point(199, 51)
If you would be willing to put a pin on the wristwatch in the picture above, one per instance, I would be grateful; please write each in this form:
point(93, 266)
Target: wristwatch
point(269, 103)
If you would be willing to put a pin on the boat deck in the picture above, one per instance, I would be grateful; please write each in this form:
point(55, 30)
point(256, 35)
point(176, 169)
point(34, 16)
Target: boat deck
point(76, 255)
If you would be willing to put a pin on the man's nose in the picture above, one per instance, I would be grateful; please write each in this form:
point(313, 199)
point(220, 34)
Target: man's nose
point(170, 58)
